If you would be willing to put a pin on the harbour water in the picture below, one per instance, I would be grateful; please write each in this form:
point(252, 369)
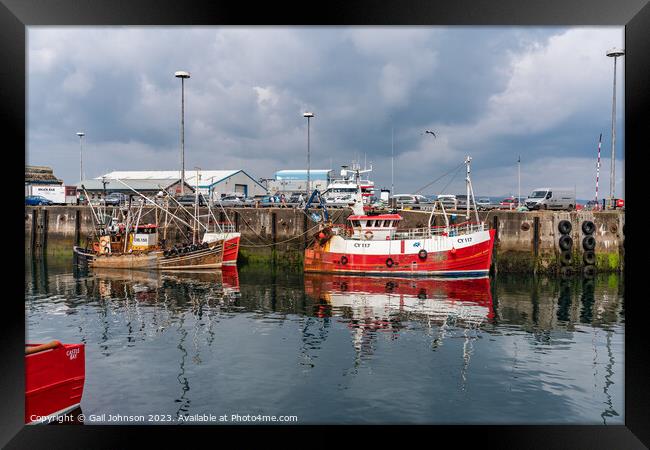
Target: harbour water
point(242, 346)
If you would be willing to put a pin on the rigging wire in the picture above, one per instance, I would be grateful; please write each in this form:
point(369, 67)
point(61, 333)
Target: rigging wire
point(450, 181)
point(439, 178)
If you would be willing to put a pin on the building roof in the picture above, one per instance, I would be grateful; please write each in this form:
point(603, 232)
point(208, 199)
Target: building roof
point(40, 175)
point(208, 178)
point(301, 174)
point(190, 175)
point(138, 185)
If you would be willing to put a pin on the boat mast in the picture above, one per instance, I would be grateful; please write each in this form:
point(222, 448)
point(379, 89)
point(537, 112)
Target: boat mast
point(468, 160)
point(196, 207)
point(470, 191)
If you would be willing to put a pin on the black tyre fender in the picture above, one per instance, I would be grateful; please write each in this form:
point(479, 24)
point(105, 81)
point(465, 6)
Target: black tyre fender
point(588, 227)
point(389, 262)
point(422, 254)
point(566, 258)
point(565, 242)
point(564, 227)
point(589, 258)
point(589, 271)
point(589, 243)
point(344, 260)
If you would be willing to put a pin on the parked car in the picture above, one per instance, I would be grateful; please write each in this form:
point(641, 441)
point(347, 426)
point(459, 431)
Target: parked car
point(33, 200)
point(484, 204)
point(231, 200)
point(508, 203)
point(270, 200)
point(448, 201)
point(295, 198)
point(410, 199)
point(114, 199)
point(461, 201)
point(190, 199)
point(551, 198)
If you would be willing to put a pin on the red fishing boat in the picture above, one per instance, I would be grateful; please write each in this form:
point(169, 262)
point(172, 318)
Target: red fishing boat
point(54, 379)
point(230, 237)
point(373, 244)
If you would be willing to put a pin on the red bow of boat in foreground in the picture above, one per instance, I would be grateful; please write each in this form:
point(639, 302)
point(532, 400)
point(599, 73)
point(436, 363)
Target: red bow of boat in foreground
point(54, 379)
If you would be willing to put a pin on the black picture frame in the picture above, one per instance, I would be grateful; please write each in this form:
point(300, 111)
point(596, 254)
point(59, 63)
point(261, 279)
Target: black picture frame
point(15, 15)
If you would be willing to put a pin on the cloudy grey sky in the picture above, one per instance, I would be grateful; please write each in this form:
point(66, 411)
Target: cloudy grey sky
point(491, 92)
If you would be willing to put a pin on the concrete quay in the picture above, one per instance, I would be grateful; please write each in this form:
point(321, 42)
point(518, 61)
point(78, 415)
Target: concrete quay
point(526, 242)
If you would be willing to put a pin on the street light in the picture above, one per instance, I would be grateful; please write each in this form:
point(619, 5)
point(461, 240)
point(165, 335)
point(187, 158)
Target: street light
point(308, 115)
point(182, 75)
point(81, 134)
point(613, 53)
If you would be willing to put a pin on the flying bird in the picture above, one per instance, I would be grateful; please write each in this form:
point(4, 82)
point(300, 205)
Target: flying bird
point(431, 132)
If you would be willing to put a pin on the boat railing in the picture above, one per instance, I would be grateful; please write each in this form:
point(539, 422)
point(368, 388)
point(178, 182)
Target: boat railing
point(227, 227)
point(451, 230)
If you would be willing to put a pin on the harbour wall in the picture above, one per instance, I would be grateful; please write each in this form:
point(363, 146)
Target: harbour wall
point(525, 241)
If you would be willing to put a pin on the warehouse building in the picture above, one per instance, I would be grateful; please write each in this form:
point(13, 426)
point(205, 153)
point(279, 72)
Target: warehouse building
point(213, 184)
point(40, 180)
point(98, 188)
point(290, 181)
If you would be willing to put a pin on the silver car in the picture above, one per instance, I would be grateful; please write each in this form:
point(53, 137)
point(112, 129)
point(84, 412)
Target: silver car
point(231, 200)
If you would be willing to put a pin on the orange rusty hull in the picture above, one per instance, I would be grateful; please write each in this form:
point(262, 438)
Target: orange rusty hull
point(209, 258)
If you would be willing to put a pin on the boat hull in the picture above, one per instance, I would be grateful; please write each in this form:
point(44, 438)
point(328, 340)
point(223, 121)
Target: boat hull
point(230, 245)
point(209, 258)
point(54, 381)
point(465, 255)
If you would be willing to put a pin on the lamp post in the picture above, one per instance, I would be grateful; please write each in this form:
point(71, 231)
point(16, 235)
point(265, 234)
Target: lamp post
point(81, 134)
point(519, 181)
point(308, 115)
point(182, 75)
point(392, 161)
point(613, 53)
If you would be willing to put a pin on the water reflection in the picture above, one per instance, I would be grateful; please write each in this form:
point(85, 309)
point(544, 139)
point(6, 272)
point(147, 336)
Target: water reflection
point(200, 342)
point(370, 305)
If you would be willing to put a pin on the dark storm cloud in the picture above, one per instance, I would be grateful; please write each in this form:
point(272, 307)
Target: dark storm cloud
point(490, 92)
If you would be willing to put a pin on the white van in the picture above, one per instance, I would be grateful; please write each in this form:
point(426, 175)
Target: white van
point(552, 198)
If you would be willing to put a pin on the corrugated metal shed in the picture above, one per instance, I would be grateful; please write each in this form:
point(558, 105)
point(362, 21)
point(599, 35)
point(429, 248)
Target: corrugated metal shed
point(208, 178)
point(138, 185)
point(190, 175)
